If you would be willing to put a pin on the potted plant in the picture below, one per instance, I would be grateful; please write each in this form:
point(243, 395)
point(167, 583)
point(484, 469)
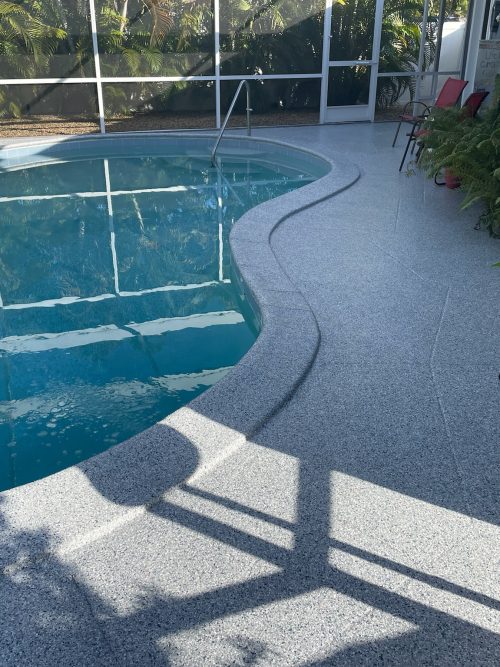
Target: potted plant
point(450, 180)
point(469, 148)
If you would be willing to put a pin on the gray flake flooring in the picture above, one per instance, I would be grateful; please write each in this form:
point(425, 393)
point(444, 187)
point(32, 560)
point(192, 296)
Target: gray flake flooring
point(358, 527)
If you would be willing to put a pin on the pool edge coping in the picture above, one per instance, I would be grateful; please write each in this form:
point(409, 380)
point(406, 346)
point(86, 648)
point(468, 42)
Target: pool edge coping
point(87, 501)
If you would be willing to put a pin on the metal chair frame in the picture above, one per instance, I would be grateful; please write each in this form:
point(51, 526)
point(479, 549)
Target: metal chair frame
point(414, 119)
point(448, 97)
point(470, 108)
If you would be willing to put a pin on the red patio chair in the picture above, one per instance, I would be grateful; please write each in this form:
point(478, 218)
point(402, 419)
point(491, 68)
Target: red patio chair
point(473, 103)
point(448, 97)
point(469, 110)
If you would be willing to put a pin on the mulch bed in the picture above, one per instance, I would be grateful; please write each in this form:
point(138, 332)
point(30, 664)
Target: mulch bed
point(31, 126)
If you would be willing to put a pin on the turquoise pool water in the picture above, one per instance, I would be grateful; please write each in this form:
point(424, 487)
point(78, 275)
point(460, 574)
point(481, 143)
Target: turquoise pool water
point(116, 304)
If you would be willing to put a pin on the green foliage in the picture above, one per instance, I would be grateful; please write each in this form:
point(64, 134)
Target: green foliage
point(273, 37)
point(352, 30)
point(51, 38)
point(157, 37)
point(470, 148)
point(22, 34)
point(43, 38)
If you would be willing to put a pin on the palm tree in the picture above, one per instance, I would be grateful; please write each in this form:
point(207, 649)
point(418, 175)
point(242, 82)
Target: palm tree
point(175, 38)
point(400, 47)
point(26, 42)
point(352, 39)
point(26, 47)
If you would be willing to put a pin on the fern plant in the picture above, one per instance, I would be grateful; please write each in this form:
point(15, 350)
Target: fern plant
point(470, 148)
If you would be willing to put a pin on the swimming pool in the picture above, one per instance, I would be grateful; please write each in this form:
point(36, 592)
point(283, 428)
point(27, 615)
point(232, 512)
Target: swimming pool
point(116, 300)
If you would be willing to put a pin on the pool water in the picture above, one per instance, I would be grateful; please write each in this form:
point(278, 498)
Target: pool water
point(116, 305)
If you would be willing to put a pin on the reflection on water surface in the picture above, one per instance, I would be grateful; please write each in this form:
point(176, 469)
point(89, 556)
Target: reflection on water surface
point(116, 305)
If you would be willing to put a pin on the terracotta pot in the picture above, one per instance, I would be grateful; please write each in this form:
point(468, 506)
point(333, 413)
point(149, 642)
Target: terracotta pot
point(451, 180)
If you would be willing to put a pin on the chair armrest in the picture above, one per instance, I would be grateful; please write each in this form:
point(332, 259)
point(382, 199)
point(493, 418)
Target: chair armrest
point(425, 111)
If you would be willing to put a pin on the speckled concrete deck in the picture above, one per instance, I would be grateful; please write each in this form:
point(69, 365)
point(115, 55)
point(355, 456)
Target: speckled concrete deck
point(357, 525)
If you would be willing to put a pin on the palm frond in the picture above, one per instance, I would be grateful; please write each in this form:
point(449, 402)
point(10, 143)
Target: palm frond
point(163, 20)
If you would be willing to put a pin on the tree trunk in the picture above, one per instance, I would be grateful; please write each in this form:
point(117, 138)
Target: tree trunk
point(124, 15)
point(64, 20)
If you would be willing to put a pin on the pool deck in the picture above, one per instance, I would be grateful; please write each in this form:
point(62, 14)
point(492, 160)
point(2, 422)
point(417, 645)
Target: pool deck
point(357, 523)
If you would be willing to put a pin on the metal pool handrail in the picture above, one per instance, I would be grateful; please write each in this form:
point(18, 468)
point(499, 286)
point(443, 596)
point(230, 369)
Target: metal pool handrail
point(228, 116)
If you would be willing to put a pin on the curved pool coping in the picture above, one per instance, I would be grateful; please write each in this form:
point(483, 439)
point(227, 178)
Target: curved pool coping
point(86, 501)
